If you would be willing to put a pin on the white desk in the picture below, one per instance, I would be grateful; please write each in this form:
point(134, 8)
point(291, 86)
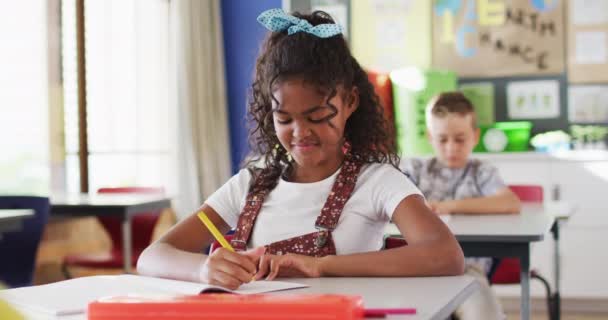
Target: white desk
point(434, 298)
point(10, 219)
point(509, 236)
point(124, 206)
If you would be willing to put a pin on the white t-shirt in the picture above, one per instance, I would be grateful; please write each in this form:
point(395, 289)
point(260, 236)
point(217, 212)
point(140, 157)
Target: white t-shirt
point(291, 209)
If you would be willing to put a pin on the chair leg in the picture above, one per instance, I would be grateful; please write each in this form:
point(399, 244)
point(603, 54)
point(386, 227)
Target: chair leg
point(66, 271)
point(550, 301)
point(557, 308)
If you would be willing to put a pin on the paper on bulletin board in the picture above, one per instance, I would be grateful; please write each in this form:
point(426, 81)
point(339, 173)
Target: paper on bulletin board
point(589, 12)
point(588, 104)
point(338, 11)
point(494, 38)
point(391, 34)
point(533, 99)
point(481, 95)
point(588, 41)
point(591, 47)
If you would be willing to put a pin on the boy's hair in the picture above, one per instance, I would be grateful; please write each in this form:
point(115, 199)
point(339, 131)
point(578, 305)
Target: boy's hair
point(324, 63)
point(450, 102)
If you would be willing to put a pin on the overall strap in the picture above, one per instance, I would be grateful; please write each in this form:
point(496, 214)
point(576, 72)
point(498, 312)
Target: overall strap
point(340, 193)
point(253, 204)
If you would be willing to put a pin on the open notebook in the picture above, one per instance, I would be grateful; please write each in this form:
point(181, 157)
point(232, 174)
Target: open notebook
point(73, 296)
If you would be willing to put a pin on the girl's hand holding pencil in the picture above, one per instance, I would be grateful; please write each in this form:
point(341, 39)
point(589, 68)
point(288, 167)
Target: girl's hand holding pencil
point(224, 266)
point(230, 269)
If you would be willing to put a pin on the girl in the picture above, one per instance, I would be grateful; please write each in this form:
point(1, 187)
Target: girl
point(323, 181)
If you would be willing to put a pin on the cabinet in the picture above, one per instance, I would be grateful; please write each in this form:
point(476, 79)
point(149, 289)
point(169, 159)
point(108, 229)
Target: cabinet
point(579, 178)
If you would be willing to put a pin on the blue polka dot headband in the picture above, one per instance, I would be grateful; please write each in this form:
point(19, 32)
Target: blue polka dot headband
point(277, 20)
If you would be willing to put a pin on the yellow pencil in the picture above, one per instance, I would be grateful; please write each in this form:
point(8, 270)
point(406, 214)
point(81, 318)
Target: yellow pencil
point(214, 231)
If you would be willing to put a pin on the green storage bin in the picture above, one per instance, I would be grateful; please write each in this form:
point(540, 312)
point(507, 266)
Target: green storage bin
point(412, 89)
point(516, 132)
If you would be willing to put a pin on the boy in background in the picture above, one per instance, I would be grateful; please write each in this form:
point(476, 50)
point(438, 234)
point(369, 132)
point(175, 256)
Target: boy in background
point(453, 183)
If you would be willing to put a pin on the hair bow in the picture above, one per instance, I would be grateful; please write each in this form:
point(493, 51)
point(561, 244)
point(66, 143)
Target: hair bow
point(277, 20)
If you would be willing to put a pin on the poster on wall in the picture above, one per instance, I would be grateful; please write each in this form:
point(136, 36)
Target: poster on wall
point(533, 99)
point(338, 10)
point(390, 32)
point(588, 104)
point(588, 41)
point(494, 38)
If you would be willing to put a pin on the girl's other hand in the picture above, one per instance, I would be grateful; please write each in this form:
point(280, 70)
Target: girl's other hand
point(288, 265)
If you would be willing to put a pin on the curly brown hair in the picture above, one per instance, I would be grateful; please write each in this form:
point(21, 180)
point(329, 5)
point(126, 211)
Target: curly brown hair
point(326, 63)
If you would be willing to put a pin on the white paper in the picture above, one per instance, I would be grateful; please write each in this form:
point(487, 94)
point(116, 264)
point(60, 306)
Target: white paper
point(533, 99)
point(588, 12)
point(588, 104)
point(590, 47)
point(73, 296)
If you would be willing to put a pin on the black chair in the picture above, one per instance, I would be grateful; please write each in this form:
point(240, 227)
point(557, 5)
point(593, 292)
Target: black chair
point(18, 249)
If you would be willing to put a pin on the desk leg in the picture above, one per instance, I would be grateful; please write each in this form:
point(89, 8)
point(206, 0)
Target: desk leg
point(556, 272)
point(126, 243)
point(524, 261)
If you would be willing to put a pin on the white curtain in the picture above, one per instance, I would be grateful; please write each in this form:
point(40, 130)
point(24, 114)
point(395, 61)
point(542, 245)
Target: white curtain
point(202, 140)
point(24, 99)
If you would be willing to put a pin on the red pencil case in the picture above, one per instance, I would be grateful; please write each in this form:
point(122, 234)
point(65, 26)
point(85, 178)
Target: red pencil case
point(228, 306)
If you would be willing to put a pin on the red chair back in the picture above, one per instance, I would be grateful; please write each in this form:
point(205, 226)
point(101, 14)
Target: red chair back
point(528, 193)
point(384, 89)
point(507, 271)
point(142, 225)
point(394, 242)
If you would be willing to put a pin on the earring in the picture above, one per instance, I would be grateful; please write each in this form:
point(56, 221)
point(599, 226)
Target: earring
point(289, 158)
point(346, 147)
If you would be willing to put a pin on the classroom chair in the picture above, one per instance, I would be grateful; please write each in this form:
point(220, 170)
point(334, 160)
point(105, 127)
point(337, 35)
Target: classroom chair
point(384, 89)
point(142, 228)
point(18, 249)
point(216, 245)
point(507, 270)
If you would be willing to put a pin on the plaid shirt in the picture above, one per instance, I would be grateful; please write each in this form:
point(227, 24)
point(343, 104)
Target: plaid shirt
point(440, 183)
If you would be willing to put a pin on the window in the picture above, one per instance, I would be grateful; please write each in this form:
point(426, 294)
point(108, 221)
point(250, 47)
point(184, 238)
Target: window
point(24, 93)
point(127, 93)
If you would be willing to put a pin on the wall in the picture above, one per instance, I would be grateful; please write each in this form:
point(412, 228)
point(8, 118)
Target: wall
point(242, 39)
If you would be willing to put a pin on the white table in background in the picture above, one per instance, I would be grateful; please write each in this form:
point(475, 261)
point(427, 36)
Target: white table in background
point(509, 235)
point(124, 206)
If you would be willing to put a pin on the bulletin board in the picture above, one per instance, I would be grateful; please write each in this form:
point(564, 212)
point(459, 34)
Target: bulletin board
point(588, 41)
point(497, 38)
point(502, 100)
